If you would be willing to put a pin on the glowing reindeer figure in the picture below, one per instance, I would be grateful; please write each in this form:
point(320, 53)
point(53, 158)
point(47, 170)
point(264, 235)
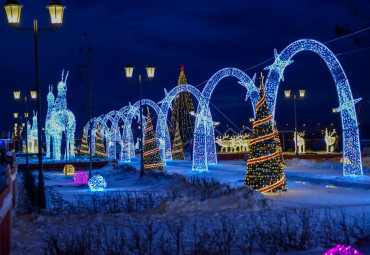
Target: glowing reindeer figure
point(59, 120)
point(240, 142)
point(329, 140)
point(226, 143)
point(301, 143)
point(245, 143)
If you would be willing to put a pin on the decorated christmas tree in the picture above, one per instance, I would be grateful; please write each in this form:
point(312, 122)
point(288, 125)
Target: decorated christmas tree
point(99, 145)
point(182, 107)
point(264, 166)
point(278, 145)
point(152, 158)
point(84, 145)
point(177, 151)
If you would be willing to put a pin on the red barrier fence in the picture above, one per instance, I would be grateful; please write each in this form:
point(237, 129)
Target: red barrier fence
point(8, 199)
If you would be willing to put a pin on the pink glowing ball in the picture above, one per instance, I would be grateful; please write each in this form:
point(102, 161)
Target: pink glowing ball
point(80, 177)
point(342, 250)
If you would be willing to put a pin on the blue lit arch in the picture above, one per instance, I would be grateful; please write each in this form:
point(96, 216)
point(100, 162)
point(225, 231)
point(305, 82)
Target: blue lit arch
point(162, 127)
point(352, 164)
point(204, 136)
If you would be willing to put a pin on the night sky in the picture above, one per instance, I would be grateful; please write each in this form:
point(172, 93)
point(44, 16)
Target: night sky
point(204, 36)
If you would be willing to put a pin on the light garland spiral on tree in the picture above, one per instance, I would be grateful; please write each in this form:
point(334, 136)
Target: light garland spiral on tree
point(152, 158)
point(264, 166)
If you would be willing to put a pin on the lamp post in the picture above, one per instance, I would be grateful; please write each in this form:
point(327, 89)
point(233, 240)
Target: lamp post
point(301, 95)
point(17, 96)
point(150, 73)
point(13, 13)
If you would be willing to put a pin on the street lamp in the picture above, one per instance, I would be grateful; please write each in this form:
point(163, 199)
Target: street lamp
point(150, 73)
point(15, 115)
point(302, 93)
point(33, 94)
point(17, 96)
point(13, 13)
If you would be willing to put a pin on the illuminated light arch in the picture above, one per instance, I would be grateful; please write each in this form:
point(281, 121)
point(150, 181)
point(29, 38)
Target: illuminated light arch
point(109, 134)
point(204, 152)
point(122, 139)
point(162, 131)
point(352, 164)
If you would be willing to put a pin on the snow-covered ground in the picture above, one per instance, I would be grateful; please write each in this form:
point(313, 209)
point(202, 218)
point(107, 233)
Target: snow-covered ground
point(315, 187)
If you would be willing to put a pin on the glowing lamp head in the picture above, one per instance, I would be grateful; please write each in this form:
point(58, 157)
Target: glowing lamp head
point(287, 93)
point(15, 115)
point(13, 12)
point(302, 92)
point(23, 124)
point(17, 94)
point(26, 114)
point(251, 119)
point(129, 71)
point(56, 10)
point(150, 71)
point(33, 94)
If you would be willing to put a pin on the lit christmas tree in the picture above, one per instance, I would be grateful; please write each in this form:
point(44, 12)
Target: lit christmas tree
point(177, 151)
point(182, 107)
point(84, 145)
point(99, 145)
point(278, 144)
point(152, 158)
point(264, 166)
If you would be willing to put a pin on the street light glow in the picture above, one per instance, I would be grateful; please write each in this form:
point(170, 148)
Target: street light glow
point(56, 10)
point(33, 94)
point(129, 70)
point(17, 94)
point(13, 12)
point(150, 71)
point(287, 93)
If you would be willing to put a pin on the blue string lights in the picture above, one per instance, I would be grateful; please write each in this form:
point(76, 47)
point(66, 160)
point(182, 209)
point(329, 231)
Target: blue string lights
point(204, 136)
point(352, 164)
point(204, 151)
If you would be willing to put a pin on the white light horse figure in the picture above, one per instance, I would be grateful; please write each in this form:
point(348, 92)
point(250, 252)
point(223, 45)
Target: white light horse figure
point(301, 143)
point(61, 120)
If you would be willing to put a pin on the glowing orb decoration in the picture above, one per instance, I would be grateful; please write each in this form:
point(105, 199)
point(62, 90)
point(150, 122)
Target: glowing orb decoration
point(342, 250)
point(97, 183)
point(69, 170)
point(80, 177)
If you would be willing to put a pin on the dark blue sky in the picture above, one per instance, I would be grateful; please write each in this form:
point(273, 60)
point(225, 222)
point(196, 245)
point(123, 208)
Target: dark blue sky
point(204, 36)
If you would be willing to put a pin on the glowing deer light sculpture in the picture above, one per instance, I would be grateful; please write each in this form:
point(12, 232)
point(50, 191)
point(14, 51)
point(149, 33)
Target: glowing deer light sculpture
point(237, 143)
point(300, 140)
point(329, 140)
point(226, 143)
point(59, 119)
